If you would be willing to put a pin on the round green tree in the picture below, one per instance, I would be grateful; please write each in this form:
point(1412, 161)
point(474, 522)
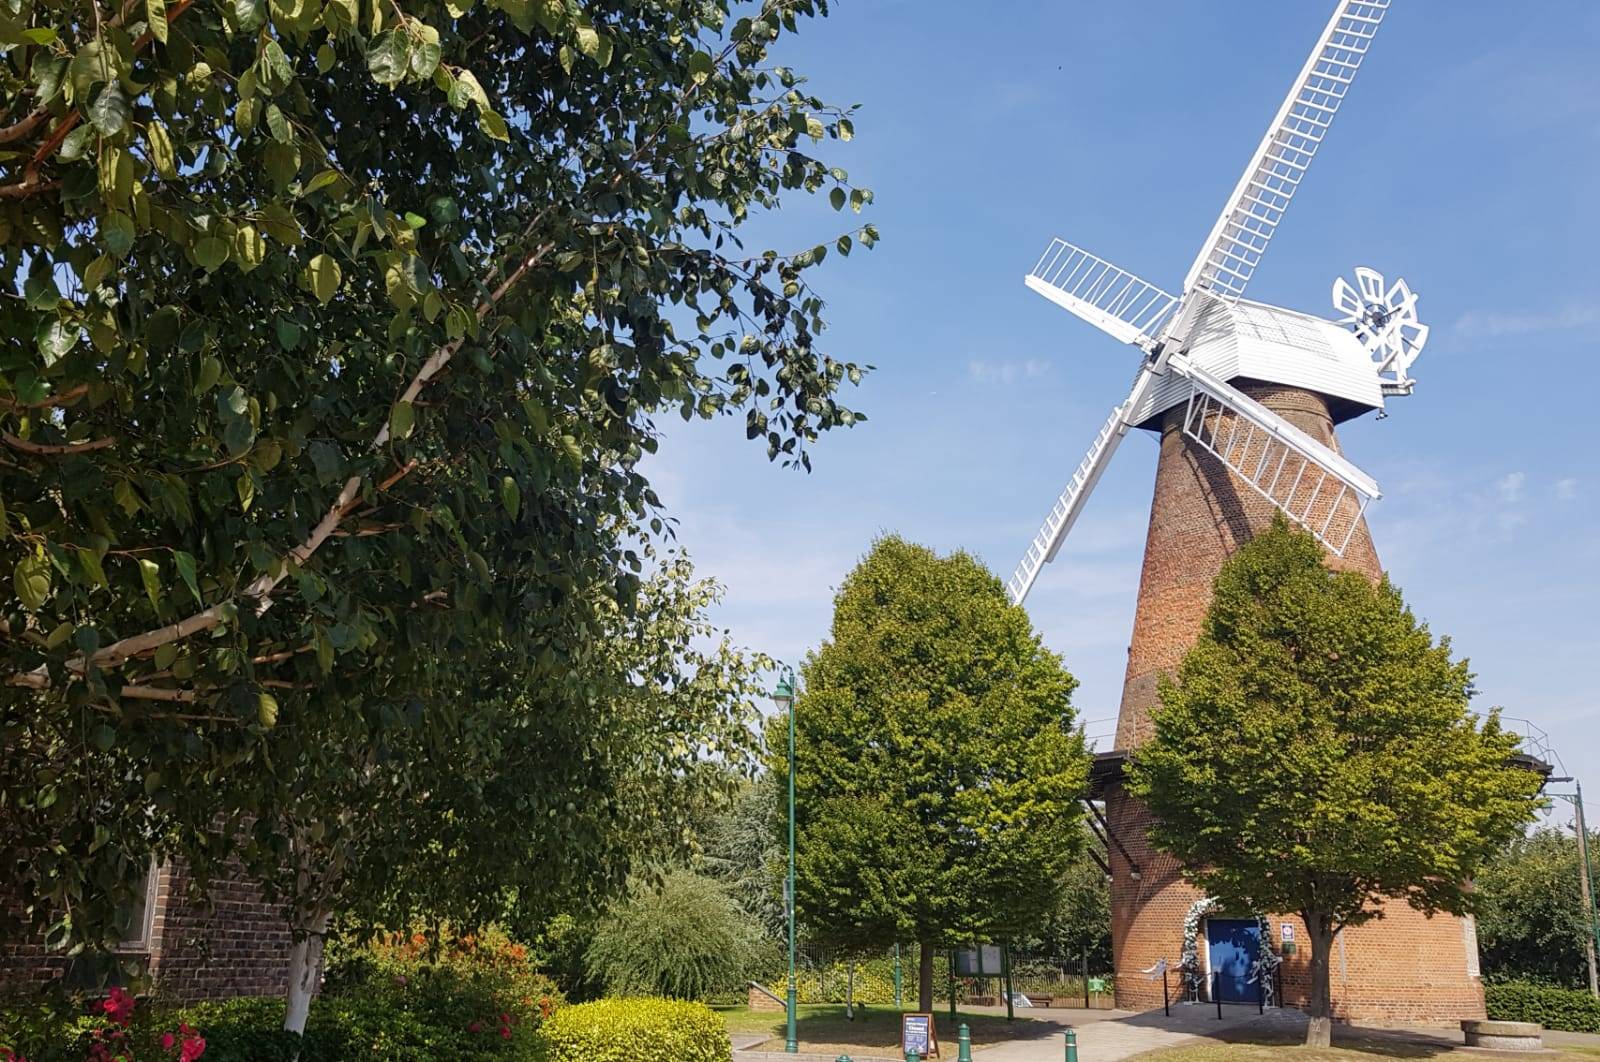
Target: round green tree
point(939, 767)
point(1356, 772)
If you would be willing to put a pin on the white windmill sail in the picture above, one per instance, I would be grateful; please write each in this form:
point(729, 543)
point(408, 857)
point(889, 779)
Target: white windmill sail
point(1112, 299)
point(1308, 481)
point(1232, 251)
point(1304, 478)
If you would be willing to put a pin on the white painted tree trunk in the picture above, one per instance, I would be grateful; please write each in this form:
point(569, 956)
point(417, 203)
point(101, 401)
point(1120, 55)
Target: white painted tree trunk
point(305, 960)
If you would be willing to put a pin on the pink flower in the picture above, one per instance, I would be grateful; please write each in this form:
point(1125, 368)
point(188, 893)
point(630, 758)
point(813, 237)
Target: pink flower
point(505, 1032)
point(193, 1048)
point(167, 1040)
point(474, 1027)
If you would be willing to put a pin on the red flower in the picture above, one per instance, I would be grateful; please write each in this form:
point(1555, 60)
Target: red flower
point(476, 1026)
point(167, 1040)
point(193, 1048)
point(118, 1006)
point(505, 1032)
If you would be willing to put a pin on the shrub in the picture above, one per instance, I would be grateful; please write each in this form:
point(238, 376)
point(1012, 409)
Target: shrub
point(685, 940)
point(637, 1030)
point(1569, 1009)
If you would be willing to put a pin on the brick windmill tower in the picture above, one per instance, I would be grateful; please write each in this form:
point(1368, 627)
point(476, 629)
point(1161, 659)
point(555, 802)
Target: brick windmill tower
point(1245, 397)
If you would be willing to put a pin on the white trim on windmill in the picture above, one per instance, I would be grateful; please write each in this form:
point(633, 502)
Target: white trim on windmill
point(1198, 341)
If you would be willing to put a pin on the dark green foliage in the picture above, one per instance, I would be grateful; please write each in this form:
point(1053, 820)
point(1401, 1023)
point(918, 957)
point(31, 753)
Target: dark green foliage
point(1531, 921)
point(366, 313)
point(939, 768)
point(1080, 919)
point(741, 847)
point(1569, 1009)
point(1317, 754)
point(682, 939)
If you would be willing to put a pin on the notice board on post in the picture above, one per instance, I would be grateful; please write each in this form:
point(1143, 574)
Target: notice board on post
point(917, 1033)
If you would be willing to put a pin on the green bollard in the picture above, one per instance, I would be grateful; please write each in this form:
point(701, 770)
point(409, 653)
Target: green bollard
point(1072, 1045)
point(964, 1044)
point(912, 1056)
point(842, 1058)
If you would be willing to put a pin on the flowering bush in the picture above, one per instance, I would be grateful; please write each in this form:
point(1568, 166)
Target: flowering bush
point(107, 1034)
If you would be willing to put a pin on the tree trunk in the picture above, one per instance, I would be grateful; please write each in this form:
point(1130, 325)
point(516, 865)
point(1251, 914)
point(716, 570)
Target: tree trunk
point(1319, 1030)
point(305, 960)
point(925, 978)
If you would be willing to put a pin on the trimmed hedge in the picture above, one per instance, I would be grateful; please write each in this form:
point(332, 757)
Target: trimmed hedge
point(637, 1030)
point(1568, 1009)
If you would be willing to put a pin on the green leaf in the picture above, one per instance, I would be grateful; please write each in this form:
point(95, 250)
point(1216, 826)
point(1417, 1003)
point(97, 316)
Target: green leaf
point(837, 197)
point(56, 339)
point(386, 58)
point(210, 373)
point(700, 67)
point(116, 232)
point(184, 562)
point(323, 275)
point(401, 420)
point(326, 57)
point(211, 252)
point(511, 496)
point(89, 561)
point(249, 249)
point(161, 153)
point(250, 13)
point(266, 709)
point(150, 575)
point(101, 737)
point(245, 487)
point(110, 111)
point(59, 636)
point(155, 13)
point(493, 126)
point(425, 60)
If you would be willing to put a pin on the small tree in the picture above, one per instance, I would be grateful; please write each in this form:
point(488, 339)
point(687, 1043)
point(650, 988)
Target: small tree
point(1355, 771)
point(938, 766)
point(1531, 918)
point(684, 939)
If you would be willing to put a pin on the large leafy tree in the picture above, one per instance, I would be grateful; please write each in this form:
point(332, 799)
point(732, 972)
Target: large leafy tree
point(543, 799)
point(1356, 773)
point(333, 333)
point(938, 767)
point(1531, 917)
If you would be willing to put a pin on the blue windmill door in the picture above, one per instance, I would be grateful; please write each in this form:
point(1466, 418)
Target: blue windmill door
point(1232, 947)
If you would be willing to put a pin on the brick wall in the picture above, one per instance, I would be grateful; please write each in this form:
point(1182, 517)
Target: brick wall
point(235, 945)
point(1403, 967)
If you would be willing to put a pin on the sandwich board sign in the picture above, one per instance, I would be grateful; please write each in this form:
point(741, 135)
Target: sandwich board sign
point(917, 1033)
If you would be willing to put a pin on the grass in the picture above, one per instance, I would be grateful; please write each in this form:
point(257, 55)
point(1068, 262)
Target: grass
point(825, 1030)
point(1246, 1045)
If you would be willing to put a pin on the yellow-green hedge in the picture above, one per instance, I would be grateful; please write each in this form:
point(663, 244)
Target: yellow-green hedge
point(637, 1030)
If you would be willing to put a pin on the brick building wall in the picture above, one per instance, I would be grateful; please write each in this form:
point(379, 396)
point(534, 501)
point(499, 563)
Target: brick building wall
point(234, 944)
point(1403, 967)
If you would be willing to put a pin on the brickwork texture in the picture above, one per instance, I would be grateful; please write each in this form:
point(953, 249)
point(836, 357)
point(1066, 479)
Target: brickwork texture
point(1404, 967)
point(233, 944)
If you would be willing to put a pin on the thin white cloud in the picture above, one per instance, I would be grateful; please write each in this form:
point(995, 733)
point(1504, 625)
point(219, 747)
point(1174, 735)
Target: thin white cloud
point(1510, 486)
point(1006, 372)
point(1566, 489)
point(1491, 324)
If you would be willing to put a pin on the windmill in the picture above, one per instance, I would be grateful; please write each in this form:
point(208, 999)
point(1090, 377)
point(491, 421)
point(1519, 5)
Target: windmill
point(1196, 342)
point(1245, 397)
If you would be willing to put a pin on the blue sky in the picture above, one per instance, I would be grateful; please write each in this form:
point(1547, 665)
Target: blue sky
point(1464, 160)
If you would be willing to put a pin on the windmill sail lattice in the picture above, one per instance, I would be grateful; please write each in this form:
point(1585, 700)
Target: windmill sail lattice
point(1231, 253)
point(1307, 481)
point(1111, 299)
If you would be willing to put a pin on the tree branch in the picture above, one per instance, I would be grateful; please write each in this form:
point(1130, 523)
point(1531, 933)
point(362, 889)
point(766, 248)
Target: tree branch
point(65, 398)
point(54, 449)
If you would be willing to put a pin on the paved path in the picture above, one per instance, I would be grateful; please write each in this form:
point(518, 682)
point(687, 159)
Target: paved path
point(1109, 1035)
